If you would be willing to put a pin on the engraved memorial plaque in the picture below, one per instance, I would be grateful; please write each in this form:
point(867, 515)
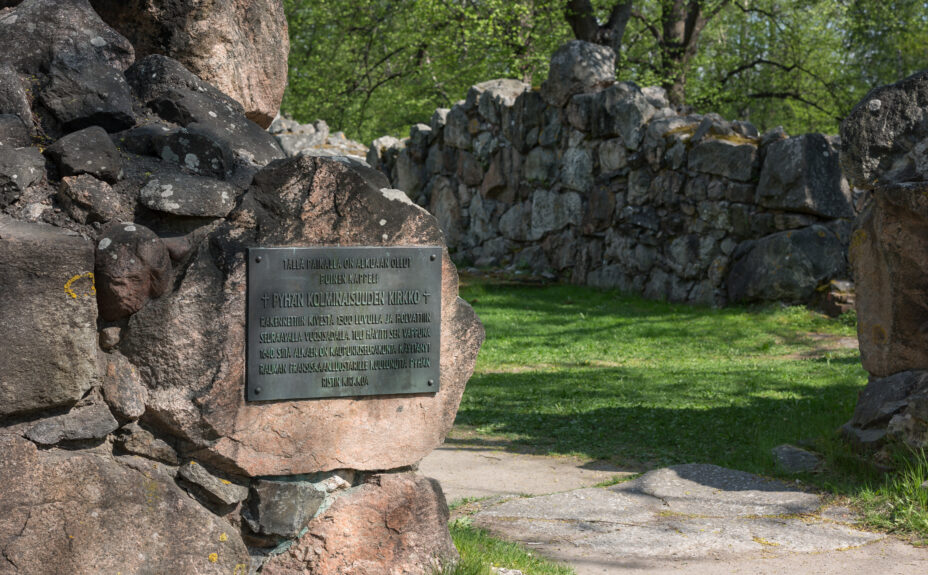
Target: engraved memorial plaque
point(343, 321)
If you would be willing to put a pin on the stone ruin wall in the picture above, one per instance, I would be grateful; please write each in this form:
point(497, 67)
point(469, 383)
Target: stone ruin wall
point(602, 183)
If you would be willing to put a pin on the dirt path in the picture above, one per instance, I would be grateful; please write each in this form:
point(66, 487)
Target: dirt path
point(698, 519)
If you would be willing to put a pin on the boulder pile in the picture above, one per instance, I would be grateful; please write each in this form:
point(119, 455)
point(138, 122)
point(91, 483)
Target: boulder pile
point(885, 149)
point(603, 183)
point(130, 191)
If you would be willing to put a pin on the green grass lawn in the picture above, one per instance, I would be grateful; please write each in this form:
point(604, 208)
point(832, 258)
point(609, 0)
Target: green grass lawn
point(573, 370)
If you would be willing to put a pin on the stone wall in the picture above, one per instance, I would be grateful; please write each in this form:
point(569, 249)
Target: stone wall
point(130, 192)
point(602, 183)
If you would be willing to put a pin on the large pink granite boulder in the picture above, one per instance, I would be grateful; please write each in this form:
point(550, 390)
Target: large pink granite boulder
point(189, 346)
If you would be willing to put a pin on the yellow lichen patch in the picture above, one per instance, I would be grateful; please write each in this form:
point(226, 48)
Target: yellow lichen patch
point(685, 130)
point(225, 482)
point(858, 238)
point(74, 291)
point(765, 542)
point(213, 557)
point(735, 139)
point(878, 333)
point(223, 537)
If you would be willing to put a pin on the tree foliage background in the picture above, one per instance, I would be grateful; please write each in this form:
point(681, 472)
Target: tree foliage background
point(374, 67)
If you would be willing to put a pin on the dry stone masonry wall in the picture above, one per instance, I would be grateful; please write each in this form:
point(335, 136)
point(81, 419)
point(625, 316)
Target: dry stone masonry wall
point(130, 192)
point(603, 183)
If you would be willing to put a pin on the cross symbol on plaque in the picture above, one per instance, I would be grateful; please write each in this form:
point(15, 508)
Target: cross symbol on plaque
point(265, 299)
point(426, 296)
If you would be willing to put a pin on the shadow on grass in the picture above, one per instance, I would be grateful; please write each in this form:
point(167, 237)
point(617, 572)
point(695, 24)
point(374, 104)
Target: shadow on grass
point(619, 413)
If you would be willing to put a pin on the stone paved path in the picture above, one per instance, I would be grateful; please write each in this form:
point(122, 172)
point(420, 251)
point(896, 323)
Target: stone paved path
point(684, 519)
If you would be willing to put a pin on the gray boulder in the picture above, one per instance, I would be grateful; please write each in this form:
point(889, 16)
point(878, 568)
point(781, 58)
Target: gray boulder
point(217, 489)
point(88, 151)
point(19, 169)
point(884, 137)
point(552, 211)
point(89, 420)
point(80, 94)
point(786, 266)
point(803, 174)
point(578, 68)
point(731, 159)
point(49, 308)
point(64, 29)
point(14, 133)
point(87, 199)
point(176, 95)
point(181, 194)
point(283, 507)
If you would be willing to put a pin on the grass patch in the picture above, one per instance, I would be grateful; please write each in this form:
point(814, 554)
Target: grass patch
point(480, 552)
point(899, 503)
point(574, 370)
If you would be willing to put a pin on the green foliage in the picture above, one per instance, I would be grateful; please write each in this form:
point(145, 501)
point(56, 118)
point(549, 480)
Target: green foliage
point(375, 67)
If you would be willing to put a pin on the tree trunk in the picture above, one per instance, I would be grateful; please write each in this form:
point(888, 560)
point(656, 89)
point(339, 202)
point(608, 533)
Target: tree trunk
point(583, 22)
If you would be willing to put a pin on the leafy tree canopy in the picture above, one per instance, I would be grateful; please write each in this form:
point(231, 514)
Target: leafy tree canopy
point(374, 67)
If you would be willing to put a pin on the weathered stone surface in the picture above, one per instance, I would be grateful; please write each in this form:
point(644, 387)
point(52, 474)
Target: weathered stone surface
point(220, 490)
point(883, 398)
point(887, 254)
point(736, 161)
point(83, 513)
point(188, 344)
point(884, 137)
point(139, 441)
point(88, 151)
point(446, 209)
point(48, 309)
point(13, 98)
point(457, 134)
point(578, 68)
point(14, 133)
point(713, 491)
point(786, 266)
point(122, 386)
point(87, 199)
point(66, 29)
point(240, 47)
point(803, 174)
point(178, 96)
point(186, 195)
point(552, 211)
point(197, 151)
point(577, 169)
point(394, 524)
point(495, 95)
point(19, 169)
point(132, 266)
point(792, 459)
point(625, 112)
point(88, 420)
point(80, 94)
point(283, 507)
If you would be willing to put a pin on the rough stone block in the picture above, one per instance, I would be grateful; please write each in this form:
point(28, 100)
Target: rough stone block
point(48, 316)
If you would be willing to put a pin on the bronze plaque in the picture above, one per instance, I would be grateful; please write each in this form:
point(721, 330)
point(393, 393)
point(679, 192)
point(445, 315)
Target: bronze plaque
point(343, 321)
